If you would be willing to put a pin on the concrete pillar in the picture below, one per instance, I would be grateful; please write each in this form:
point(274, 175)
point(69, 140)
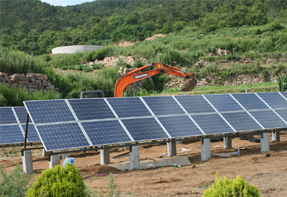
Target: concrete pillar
point(134, 157)
point(27, 162)
point(276, 136)
point(205, 149)
point(54, 160)
point(171, 148)
point(45, 153)
point(264, 142)
point(65, 154)
point(105, 156)
point(227, 140)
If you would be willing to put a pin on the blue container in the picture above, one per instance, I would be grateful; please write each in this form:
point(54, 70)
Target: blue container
point(68, 160)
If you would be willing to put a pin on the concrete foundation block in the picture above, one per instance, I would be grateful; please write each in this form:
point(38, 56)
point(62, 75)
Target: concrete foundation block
point(134, 157)
point(205, 149)
point(105, 156)
point(276, 136)
point(54, 160)
point(45, 153)
point(27, 162)
point(227, 142)
point(264, 142)
point(171, 148)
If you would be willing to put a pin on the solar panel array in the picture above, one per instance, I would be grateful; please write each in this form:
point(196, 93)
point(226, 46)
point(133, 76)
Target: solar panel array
point(75, 123)
point(13, 124)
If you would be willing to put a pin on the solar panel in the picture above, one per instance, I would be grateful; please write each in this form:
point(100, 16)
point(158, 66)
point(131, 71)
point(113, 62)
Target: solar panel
point(7, 116)
point(163, 105)
point(21, 114)
point(241, 121)
point(89, 109)
point(49, 111)
point(62, 136)
point(212, 124)
point(194, 104)
point(223, 102)
point(282, 113)
point(268, 119)
point(11, 134)
point(105, 132)
point(284, 94)
point(250, 101)
point(180, 126)
point(32, 133)
point(274, 100)
point(144, 129)
point(129, 107)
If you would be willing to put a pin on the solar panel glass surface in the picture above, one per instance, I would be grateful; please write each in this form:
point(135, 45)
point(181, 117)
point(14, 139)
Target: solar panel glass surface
point(129, 107)
point(274, 100)
point(11, 134)
point(212, 124)
point(144, 129)
point(89, 109)
point(241, 121)
point(62, 136)
point(180, 126)
point(250, 101)
point(284, 94)
point(49, 111)
point(32, 133)
point(223, 102)
point(105, 132)
point(7, 116)
point(268, 119)
point(282, 113)
point(163, 105)
point(194, 104)
point(21, 114)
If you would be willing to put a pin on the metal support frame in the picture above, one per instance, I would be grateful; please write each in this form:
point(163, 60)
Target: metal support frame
point(26, 130)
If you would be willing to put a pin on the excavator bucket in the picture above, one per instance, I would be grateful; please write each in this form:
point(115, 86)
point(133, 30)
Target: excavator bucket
point(190, 85)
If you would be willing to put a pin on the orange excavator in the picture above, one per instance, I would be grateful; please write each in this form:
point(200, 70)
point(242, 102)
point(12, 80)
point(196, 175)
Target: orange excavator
point(136, 75)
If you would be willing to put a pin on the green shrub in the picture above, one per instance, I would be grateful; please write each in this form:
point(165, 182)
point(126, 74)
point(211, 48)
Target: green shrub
point(231, 188)
point(14, 184)
point(282, 83)
point(58, 181)
point(98, 66)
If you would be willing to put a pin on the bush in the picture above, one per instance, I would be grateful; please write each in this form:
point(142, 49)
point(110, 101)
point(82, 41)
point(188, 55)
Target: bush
point(14, 184)
point(98, 66)
point(282, 83)
point(232, 187)
point(58, 181)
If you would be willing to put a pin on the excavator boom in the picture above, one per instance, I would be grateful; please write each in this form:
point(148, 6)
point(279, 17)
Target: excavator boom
point(124, 82)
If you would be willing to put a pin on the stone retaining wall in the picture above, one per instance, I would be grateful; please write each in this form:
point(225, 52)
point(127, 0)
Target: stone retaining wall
point(30, 81)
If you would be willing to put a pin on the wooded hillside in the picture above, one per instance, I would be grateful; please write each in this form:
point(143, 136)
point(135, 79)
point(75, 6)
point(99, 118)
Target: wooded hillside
point(36, 27)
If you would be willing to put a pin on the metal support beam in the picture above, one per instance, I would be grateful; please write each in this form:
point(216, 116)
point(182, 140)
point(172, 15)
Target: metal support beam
point(26, 130)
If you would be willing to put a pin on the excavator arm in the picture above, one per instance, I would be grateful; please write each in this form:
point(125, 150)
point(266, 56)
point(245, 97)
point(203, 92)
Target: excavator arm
point(124, 82)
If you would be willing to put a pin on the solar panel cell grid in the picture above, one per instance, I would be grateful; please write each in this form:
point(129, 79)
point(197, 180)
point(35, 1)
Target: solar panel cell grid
point(163, 105)
point(282, 113)
point(21, 114)
point(194, 104)
point(144, 129)
point(32, 133)
point(268, 119)
point(180, 126)
point(105, 132)
point(49, 111)
point(274, 100)
point(129, 107)
point(11, 134)
point(250, 101)
point(223, 102)
point(89, 109)
point(7, 116)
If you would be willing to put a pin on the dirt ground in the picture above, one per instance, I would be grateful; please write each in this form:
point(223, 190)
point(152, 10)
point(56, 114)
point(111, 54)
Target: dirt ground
point(267, 171)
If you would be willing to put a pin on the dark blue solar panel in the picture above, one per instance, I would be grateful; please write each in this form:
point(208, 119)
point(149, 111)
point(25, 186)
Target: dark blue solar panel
point(284, 94)
point(62, 136)
point(180, 126)
point(268, 119)
point(241, 121)
point(89, 109)
point(105, 132)
point(163, 105)
point(144, 129)
point(223, 102)
point(11, 134)
point(212, 124)
point(32, 133)
point(21, 114)
point(129, 107)
point(7, 116)
point(274, 99)
point(282, 113)
point(194, 104)
point(49, 111)
point(250, 101)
